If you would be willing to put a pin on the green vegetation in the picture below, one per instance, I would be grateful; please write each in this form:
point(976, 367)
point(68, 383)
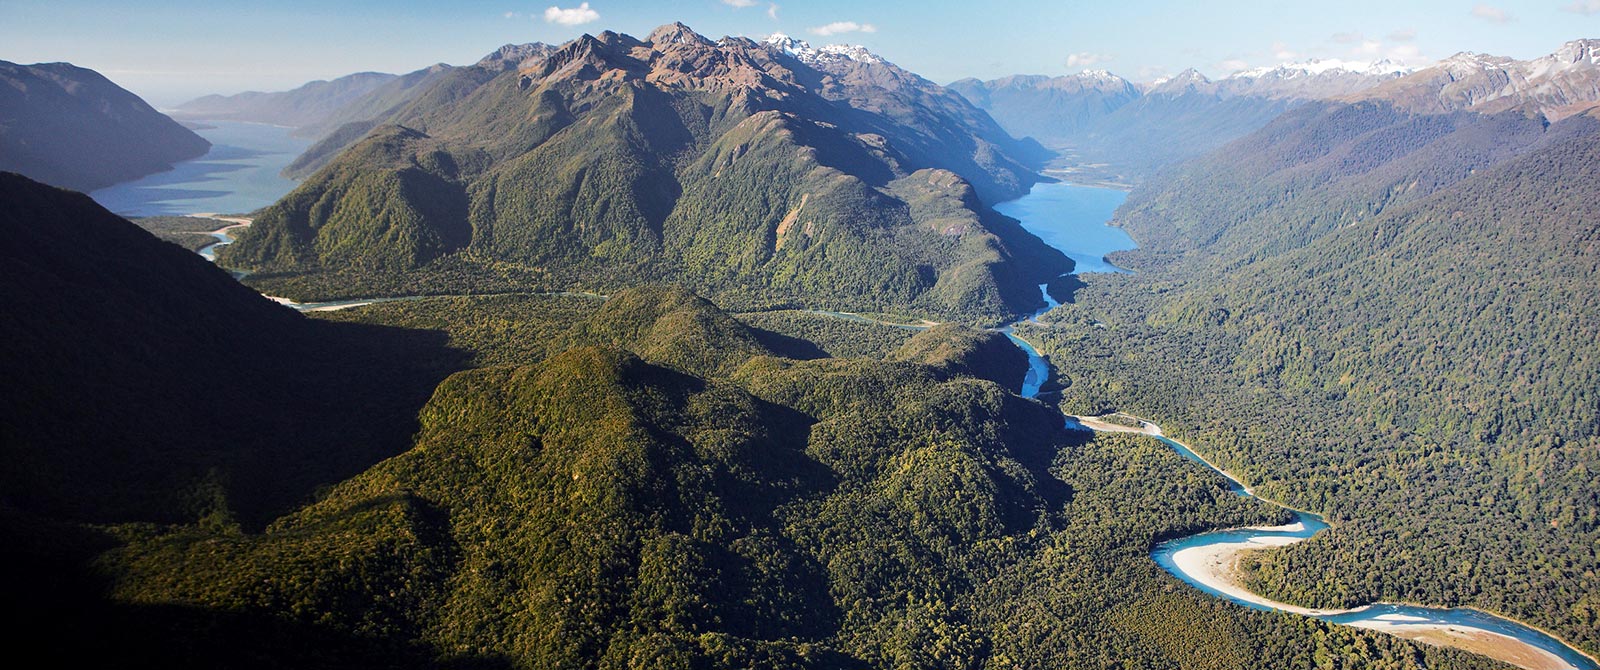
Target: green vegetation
point(151, 386)
point(959, 350)
point(599, 510)
point(1397, 334)
point(634, 483)
point(494, 330)
point(800, 335)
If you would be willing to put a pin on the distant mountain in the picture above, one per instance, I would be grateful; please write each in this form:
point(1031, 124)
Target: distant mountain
point(71, 127)
point(307, 105)
point(124, 353)
point(342, 128)
point(1046, 108)
point(341, 111)
point(1096, 117)
point(755, 172)
point(1556, 86)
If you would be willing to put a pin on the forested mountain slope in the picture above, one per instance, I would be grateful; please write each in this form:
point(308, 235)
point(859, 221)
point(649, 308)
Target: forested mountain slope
point(757, 173)
point(71, 127)
point(660, 489)
point(1387, 317)
point(338, 112)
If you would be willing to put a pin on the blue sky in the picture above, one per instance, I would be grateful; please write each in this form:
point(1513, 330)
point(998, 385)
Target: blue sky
point(172, 50)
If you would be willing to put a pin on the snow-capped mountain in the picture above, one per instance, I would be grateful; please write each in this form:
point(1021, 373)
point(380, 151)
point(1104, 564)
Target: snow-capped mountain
point(1558, 85)
point(810, 55)
point(1311, 80)
point(1321, 66)
point(1187, 81)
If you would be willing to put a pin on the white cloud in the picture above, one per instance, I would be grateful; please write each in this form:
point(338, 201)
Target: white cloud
point(1348, 38)
point(1585, 7)
point(1491, 14)
point(1085, 59)
point(739, 4)
point(1408, 34)
point(772, 11)
point(1281, 51)
point(575, 16)
point(1149, 72)
point(1406, 54)
point(1234, 65)
point(838, 27)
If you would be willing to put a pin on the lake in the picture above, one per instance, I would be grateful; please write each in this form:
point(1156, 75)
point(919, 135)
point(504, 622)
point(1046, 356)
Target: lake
point(238, 175)
point(1073, 218)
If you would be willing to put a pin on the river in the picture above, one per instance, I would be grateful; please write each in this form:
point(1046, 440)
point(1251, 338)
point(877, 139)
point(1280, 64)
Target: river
point(1073, 219)
point(240, 174)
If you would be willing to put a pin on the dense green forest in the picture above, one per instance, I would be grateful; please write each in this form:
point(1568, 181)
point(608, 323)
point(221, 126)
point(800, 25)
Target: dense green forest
point(634, 482)
point(604, 506)
point(1397, 334)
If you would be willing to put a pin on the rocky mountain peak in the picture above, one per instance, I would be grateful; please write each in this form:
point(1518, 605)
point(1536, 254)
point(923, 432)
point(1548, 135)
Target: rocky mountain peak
point(515, 56)
point(1560, 84)
point(676, 33)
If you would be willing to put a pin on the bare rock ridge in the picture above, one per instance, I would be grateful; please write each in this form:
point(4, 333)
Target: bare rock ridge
point(1556, 86)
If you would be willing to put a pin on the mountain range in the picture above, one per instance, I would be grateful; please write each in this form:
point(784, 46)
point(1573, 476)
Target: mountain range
point(71, 127)
point(758, 173)
point(618, 435)
point(1127, 131)
point(1561, 84)
point(307, 105)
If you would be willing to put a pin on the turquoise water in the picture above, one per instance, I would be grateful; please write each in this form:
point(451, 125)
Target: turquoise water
point(238, 175)
point(1073, 218)
point(1369, 616)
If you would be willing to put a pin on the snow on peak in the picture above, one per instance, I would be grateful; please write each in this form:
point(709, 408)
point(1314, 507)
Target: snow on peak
point(805, 53)
point(1316, 66)
point(1103, 76)
point(1470, 60)
point(1578, 51)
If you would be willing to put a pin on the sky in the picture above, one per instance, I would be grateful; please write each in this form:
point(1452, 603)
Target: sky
point(169, 51)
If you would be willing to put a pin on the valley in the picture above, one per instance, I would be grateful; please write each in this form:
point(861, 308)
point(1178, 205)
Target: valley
point(1074, 219)
point(649, 349)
